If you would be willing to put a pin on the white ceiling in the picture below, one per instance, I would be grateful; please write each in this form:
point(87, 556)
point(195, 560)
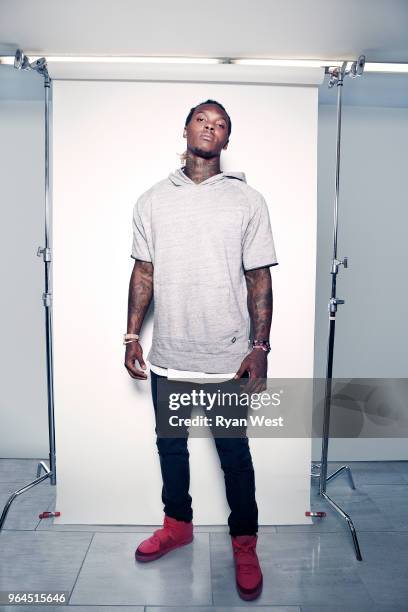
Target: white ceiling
point(299, 29)
point(289, 29)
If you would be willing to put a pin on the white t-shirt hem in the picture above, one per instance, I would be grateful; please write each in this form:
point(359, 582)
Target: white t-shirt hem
point(173, 374)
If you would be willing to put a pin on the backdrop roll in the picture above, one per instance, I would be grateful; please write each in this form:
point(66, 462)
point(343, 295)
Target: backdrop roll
point(111, 141)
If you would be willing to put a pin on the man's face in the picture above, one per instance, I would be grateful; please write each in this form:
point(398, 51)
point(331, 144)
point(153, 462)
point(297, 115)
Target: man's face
point(207, 132)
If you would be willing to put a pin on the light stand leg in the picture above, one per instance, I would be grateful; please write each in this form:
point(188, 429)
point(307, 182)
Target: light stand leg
point(50, 472)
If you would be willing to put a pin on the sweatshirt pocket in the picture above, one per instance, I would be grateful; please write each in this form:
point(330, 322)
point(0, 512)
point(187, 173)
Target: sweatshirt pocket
point(195, 312)
point(226, 347)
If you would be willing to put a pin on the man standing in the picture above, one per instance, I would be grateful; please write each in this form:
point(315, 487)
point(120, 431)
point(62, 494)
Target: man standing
point(202, 241)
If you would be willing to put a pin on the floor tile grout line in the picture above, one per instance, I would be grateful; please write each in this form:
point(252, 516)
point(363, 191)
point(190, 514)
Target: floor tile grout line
point(79, 571)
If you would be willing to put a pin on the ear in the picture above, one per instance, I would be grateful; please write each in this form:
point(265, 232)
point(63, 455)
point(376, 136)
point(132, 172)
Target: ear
point(185, 133)
point(225, 146)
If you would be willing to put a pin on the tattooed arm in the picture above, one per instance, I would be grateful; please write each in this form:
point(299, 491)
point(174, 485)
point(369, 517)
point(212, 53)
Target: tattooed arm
point(260, 308)
point(140, 296)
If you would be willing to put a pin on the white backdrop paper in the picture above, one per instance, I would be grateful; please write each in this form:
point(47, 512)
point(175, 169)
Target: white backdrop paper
point(112, 141)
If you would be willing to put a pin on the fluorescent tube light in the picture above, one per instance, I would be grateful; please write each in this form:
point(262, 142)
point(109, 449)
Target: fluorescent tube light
point(378, 67)
point(119, 60)
point(269, 62)
point(369, 66)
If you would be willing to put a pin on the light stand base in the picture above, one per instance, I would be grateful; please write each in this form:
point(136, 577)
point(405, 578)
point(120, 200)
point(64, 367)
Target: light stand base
point(48, 474)
point(336, 507)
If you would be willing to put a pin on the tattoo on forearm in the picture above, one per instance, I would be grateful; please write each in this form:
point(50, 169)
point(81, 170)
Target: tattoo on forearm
point(140, 294)
point(260, 301)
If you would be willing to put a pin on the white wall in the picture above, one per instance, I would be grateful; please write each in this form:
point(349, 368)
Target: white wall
point(370, 331)
point(23, 398)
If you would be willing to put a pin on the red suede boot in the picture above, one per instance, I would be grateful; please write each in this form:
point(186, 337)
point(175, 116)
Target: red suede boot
point(247, 570)
point(172, 535)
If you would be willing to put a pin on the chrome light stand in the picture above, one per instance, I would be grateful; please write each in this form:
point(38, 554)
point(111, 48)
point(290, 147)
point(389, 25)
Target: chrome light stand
point(22, 62)
point(337, 77)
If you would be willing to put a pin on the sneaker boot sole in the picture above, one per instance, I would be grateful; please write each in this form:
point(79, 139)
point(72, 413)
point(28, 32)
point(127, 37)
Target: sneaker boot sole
point(250, 595)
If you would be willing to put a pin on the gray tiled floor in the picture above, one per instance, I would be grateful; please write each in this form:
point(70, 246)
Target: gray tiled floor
point(307, 568)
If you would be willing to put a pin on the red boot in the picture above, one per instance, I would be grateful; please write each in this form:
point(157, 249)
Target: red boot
point(172, 535)
point(247, 570)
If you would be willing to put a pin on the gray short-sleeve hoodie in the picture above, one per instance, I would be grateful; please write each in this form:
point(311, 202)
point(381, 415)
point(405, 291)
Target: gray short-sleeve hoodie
point(201, 238)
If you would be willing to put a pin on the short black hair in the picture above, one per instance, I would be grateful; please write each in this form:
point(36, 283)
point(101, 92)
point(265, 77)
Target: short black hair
point(190, 114)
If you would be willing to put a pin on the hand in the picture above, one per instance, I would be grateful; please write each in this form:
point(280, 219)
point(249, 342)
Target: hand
point(134, 352)
point(256, 363)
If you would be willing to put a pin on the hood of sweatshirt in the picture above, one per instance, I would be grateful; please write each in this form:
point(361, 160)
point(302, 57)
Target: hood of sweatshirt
point(180, 179)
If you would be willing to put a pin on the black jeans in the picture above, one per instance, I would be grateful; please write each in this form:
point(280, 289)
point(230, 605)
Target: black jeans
point(236, 463)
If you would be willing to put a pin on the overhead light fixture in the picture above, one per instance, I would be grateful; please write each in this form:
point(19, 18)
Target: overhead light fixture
point(378, 67)
point(7, 60)
point(136, 60)
point(123, 60)
point(369, 66)
point(271, 62)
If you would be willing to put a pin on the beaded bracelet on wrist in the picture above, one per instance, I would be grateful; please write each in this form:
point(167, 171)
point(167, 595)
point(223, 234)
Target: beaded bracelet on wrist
point(262, 344)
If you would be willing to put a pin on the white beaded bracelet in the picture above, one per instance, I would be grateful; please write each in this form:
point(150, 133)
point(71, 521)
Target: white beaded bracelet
point(127, 338)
